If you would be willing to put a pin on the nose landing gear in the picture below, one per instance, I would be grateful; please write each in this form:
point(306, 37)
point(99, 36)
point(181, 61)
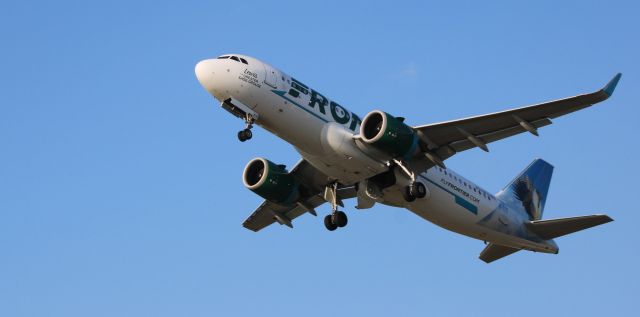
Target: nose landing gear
point(246, 134)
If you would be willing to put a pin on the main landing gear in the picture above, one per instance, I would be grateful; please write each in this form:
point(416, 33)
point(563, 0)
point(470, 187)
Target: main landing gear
point(246, 134)
point(337, 219)
point(415, 189)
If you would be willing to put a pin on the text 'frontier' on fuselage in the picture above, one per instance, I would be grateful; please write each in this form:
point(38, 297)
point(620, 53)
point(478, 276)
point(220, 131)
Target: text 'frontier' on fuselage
point(339, 113)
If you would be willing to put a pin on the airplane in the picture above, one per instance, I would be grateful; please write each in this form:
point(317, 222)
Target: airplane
point(380, 159)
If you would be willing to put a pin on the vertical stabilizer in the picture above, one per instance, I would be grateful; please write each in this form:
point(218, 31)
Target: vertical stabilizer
point(528, 191)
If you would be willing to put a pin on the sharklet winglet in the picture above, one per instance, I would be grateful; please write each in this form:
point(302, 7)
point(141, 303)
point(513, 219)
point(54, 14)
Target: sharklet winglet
point(611, 86)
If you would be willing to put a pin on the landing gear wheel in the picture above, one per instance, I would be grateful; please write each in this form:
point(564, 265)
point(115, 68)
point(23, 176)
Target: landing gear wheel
point(408, 194)
point(328, 223)
point(241, 136)
point(340, 219)
point(419, 190)
point(248, 134)
point(244, 135)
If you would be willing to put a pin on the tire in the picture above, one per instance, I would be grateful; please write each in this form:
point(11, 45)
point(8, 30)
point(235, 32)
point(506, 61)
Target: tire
point(329, 224)
point(340, 219)
point(420, 190)
point(248, 134)
point(241, 136)
point(408, 194)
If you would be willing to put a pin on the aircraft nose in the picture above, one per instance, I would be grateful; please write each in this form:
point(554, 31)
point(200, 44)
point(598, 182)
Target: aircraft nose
point(205, 72)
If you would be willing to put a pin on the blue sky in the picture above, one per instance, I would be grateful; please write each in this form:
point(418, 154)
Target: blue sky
point(120, 189)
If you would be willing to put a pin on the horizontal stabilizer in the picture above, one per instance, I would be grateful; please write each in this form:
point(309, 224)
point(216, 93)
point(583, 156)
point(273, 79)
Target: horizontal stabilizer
point(495, 252)
point(553, 228)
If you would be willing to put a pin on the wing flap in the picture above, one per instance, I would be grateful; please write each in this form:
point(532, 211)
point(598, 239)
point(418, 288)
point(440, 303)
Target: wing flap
point(262, 217)
point(268, 213)
point(465, 144)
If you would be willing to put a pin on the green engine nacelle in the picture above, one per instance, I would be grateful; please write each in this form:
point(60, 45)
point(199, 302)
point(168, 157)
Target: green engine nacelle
point(389, 134)
point(271, 181)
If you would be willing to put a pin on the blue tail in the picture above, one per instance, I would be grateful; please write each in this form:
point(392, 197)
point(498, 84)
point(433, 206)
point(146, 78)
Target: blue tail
point(528, 191)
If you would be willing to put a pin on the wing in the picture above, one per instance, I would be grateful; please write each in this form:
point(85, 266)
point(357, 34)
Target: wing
point(268, 213)
point(442, 140)
point(313, 183)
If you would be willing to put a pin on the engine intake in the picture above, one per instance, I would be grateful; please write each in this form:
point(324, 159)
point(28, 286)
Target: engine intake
point(388, 134)
point(270, 181)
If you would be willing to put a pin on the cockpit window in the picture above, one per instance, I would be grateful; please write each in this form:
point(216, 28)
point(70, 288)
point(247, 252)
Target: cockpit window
point(235, 58)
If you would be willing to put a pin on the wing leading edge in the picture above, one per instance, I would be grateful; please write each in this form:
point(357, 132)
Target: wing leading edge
point(447, 138)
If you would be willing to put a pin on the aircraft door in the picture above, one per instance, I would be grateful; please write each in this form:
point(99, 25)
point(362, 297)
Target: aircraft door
point(271, 76)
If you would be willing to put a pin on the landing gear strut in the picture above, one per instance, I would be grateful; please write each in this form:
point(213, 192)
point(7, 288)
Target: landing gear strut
point(246, 134)
point(337, 219)
point(415, 189)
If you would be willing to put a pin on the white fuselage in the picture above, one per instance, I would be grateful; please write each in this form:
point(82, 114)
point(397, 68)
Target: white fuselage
point(325, 134)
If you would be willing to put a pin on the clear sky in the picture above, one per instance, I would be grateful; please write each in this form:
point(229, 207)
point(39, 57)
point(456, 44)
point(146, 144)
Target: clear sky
point(120, 188)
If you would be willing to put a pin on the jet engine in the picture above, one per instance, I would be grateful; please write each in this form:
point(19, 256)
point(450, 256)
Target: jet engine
point(270, 181)
point(388, 134)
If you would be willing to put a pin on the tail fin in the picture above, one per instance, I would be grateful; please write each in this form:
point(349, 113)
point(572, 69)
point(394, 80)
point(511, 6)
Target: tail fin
point(528, 191)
